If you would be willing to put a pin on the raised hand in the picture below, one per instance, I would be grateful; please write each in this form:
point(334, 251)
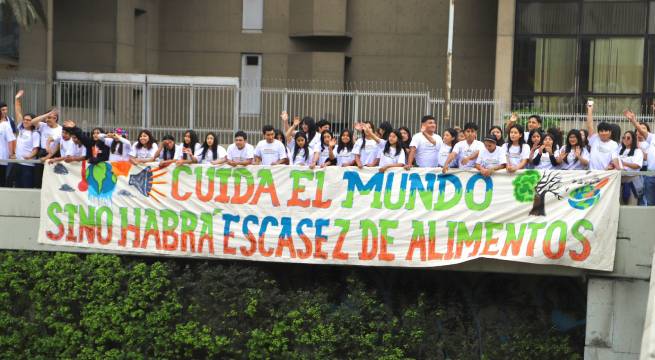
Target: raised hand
point(19, 94)
point(69, 123)
point(629, 114)
point(358, 126)
point(513, 118)
point(284, 116)
point(332, 143)
point(296, 120)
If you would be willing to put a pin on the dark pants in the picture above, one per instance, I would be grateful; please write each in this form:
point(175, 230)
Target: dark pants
point(3, 175)
point(38, 175)
point(24, 176)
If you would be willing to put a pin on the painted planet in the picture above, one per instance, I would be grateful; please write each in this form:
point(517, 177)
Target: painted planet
point(101, 180)
point(584, 197)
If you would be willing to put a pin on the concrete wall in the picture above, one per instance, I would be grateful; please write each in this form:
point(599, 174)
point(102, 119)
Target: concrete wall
point(85, 35)
point(388, 40)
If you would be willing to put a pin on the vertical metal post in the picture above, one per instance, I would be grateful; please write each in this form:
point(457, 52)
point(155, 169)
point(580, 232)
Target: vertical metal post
point(145, 112)
point(449, 61)
point(192, 110)
point(356, 107)
point(237, 110)
point(101, 104)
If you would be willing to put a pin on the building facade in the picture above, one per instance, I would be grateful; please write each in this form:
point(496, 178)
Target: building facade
point(551, 55)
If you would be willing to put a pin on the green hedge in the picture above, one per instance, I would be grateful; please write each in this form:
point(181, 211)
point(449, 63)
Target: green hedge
point(61, 305)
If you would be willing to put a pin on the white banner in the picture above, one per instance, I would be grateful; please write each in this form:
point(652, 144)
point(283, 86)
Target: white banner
point(417, 218)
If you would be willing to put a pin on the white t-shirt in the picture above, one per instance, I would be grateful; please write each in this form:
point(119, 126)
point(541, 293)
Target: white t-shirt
point(143, 152)
point(209, 155)
point(6, 136)
point(516, 154)
point(444, 152)
point(601, 153)
point(571, 163)
point(299, 159)
point(427, 154)
point(26, 142)
point(48, 132)
point(236, 154)
point(390, 157)
point(195, 150)
point(651, 159)
point(644, 145)
point(544, 161)
point(177, 153)
point(344, 156)
point(270, 152)
point(488, 159)
point(636, 158)
point(127, 149)
point(464, 149)
point(368, 153)
point(70, 148)
point(323, 155)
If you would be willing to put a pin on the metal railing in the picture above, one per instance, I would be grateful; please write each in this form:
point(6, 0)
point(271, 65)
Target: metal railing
point(172, 104)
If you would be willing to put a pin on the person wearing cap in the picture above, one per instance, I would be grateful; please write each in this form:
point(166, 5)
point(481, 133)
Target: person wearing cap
point(491, 158)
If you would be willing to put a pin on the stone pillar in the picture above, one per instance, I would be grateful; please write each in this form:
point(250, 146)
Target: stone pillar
point(504, 55)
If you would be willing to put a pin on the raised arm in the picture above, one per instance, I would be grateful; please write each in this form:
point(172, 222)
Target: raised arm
point(590, 119)
point(290, 129)
point(511, 121)
point(18, 106)
point(38, 119)
point(633, 119)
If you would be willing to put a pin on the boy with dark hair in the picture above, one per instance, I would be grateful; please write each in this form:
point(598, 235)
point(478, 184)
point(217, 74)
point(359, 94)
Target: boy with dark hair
point(424, 147)
point(322, 126)
point(603, 148)
point(240, 153)
point(491, 158)
point(270, 151)
point(467, 150)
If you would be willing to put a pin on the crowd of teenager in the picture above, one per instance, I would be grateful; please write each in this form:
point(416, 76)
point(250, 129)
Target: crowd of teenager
point(304, 142)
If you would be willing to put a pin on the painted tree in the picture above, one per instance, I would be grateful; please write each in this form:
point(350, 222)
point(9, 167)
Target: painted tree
point(531, 186)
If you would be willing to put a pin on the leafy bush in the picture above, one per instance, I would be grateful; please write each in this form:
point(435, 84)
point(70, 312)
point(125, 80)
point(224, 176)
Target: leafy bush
point(60, 305)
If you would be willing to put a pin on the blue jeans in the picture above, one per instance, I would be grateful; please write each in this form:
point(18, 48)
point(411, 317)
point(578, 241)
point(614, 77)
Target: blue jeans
point(24, 176)
point(649, 190)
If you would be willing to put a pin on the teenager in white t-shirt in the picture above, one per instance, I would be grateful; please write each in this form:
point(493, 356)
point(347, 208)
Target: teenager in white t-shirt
point(48, 131)
point(210, 152)
point(168, 152)
point(516, 150)
point(424, 148)
point(343, 151)
point(302, 154)
point(324, 155)
point(144, 149)
point(465, 152)
point(7, 148)
point(492, 158)
point(270, 151)
point(449, 139)
point(69, 150)
point(119, 146)
point(603, 148)
point(367, 146)
point(574, 155)
point(240, 153)
point(547, 156)
point(392, 154)
point(629, 158)
point(27, 148)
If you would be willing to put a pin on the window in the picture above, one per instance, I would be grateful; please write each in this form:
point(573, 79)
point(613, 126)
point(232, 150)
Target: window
point(8, 33)
point(566, 51)
point(616, 65)
point(251, 83)
point(253, 16)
